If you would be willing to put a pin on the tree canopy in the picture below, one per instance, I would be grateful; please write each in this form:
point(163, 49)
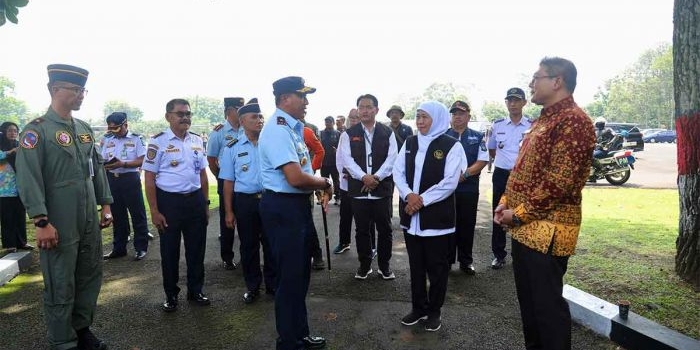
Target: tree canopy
point(133, 113)
point(9, 10)
point(446, 93)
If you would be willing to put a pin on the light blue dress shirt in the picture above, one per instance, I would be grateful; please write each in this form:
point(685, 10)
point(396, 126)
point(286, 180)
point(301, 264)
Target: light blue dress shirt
point(125, 149)
point(240, 164)
point(219, 138)
point(281, 142)
point(177, 163)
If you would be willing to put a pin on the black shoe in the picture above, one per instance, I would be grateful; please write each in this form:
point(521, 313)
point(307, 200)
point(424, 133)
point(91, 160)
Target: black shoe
point(88, 341)
point(170, 304)
point(199, 298)
point(230, 265)
point(140, 255)
point(362, 274)
point(318, 264)
point(413, 318)
point(150, 236)
point(468, 269)
point(250, 296)
point(113, 255)
point(311, 342)
point(26, 247)
point(497, 263)
point(433, 323)
point(341, 248)
point(386, 273)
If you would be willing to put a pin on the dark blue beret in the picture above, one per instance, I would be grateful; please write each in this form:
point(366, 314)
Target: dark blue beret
point(251, 107)
point(291, 84)
point(116, 118)
point(236, 102)
point(67, 73)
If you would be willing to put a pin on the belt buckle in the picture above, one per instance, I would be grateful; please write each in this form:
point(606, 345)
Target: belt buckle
point(258, 195)
point(116, 174)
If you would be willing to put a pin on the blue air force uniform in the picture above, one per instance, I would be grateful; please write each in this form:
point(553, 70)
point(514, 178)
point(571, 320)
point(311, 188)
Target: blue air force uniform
point(505, 139)
point(125, 185)
point(240, 164)
point(287, 213)
point(218, 139)
point(178, 164)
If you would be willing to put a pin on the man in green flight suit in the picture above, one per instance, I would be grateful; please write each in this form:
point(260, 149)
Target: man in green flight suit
point(61, 182)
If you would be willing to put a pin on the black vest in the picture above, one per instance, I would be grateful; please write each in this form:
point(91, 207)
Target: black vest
point(380, 151)
point(439, 215)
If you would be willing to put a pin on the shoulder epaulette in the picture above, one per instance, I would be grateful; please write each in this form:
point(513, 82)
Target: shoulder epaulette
point(218, 127)
point(37, 121)
point(231, 143)
point(158, 134)
point(135, 134)
point(281, 121)
point(499, 120)
point(107, 136)
point(195, 134)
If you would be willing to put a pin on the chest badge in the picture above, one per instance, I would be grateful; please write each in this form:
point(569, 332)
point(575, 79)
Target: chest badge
point(244, 167)
point(501, 145)
point(173, 163)
point(438, 154)
point(303, 160)
point(85, 138)
point(63, 138)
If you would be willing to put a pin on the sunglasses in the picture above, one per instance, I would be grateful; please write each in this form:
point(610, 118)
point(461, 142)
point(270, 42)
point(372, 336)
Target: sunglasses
point(182, 114)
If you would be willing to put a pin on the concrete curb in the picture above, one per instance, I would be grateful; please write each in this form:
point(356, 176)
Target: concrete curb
point(636, 332)
point(12, 264)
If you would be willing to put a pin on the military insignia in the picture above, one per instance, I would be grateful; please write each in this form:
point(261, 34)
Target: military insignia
point(151, 153)
point(170, 146)
point(158, 134)
point(37, 121)
point(438, 154)
point(231, 143)
point(242, 154)
point(85, 138)
point(281, 121)
point(501, 145)
point(218, 127)
point(303, 160)
point(482, 146)
point(63, 138)
point(228, 137)
point(173, 163)
point(30, 139)
point(244, 167)
point(110, 144)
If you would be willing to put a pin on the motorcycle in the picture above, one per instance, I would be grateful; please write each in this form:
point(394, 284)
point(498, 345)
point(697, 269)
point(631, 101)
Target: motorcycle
point(615, 168)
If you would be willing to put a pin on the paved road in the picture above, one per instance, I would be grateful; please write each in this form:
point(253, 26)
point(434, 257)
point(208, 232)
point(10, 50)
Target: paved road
point(481, 312)
point(656, 167)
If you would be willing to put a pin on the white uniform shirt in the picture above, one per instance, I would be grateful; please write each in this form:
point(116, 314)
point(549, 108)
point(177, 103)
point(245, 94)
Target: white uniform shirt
point(177, 163)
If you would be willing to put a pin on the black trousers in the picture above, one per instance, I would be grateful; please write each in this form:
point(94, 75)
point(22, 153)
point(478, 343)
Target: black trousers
point(427, 256)
point(13, 222)
point(252, 236)
point(226, 235)
point(463, 239)
point(314, 242)
point(128, 200)
point(345, 223)
point(287, 226)
point(498, 238)
point(186, 216)
point(543, 309)
point(366, 212)
point(331, 170)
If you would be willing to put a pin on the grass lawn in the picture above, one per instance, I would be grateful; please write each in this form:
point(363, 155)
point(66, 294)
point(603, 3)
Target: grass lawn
point(626, 250)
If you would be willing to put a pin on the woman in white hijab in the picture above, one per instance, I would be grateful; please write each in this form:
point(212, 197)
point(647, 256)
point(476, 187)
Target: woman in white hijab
point(427, 172)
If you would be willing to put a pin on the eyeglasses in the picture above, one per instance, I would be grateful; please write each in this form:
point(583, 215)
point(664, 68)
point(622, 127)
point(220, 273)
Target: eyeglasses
point(76, 89)
point(182, 114)
point(537, 77)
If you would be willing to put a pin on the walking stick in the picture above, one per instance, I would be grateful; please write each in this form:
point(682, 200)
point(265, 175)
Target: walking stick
point(328, 245)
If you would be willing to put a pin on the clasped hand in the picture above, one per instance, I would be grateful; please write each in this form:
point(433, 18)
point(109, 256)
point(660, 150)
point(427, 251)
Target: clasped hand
point(414, 203)
point(369, 182)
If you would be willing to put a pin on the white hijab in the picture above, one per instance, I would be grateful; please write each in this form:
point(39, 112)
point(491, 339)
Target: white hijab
point(441, 122)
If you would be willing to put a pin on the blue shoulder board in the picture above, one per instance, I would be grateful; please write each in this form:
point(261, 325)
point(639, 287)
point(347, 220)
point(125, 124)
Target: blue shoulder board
point(195, 134)
point(499, 120)
point(158, 134)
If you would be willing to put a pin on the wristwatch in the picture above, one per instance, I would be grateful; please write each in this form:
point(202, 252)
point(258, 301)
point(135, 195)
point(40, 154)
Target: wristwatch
point(516, 220)
point(41, 223)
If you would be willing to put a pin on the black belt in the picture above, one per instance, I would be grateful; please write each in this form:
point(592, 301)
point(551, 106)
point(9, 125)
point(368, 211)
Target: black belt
point(118, 175)
point(286, 194)
point(185, 195)
point(501, 169)
point(255, 195)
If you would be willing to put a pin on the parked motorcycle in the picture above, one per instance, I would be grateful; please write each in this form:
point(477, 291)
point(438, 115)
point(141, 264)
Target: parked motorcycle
point(615, 167)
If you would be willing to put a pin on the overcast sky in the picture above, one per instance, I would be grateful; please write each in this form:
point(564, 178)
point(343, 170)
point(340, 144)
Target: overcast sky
point(147, 52)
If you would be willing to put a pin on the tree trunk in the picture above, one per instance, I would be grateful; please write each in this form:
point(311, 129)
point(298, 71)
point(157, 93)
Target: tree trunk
point(686, 75)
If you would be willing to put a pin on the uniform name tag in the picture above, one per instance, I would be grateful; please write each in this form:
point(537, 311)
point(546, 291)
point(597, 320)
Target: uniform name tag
point(85, 138)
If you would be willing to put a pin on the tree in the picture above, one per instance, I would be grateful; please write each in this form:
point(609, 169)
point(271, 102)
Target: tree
point(446, 93)
point(8, 9)
point(206, 110)
point(687, 117)
point(133, 113)
point(11, 108)
point(493, 110)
